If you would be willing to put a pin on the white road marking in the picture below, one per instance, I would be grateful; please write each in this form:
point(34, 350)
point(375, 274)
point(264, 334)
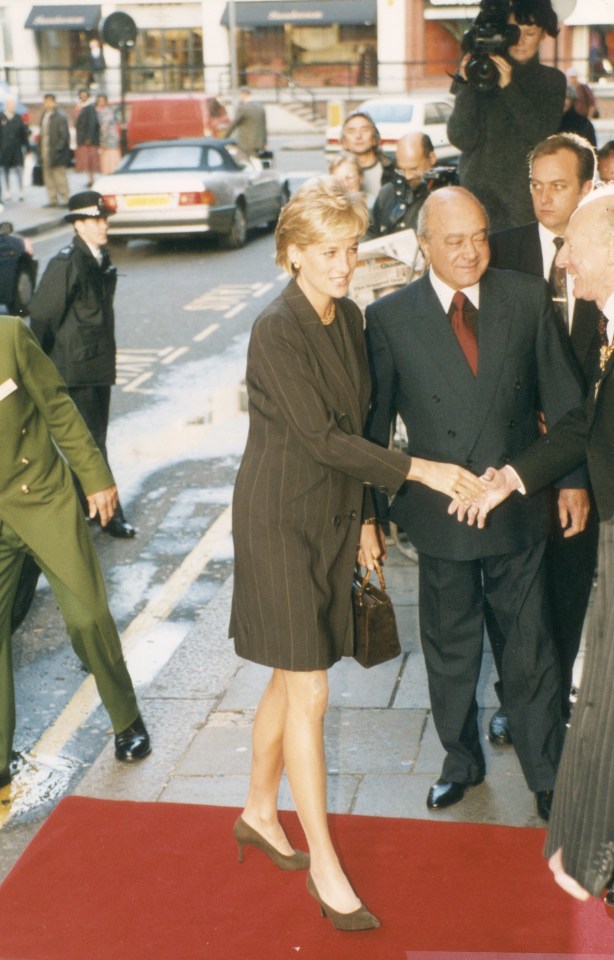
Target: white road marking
point(175, 354)
point(234, 311)
point(206, 332)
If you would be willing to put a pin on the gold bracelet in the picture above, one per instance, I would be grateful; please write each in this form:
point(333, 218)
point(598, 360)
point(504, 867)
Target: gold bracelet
point(370, 521)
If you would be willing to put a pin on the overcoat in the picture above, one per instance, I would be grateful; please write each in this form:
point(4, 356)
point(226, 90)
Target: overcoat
point(298, 498)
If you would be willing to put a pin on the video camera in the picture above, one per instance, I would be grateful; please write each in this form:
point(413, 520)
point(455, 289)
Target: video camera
point(490, 33)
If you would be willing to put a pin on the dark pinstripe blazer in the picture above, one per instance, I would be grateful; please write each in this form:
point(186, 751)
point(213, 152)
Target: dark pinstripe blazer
point(299, 492)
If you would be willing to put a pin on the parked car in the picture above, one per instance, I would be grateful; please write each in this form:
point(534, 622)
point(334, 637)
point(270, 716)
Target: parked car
point(18, 270)
point(192, 186)
point(396, 116)
point(169, 116)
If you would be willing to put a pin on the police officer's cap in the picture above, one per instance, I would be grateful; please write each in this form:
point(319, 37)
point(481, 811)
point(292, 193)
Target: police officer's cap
point(87, 205)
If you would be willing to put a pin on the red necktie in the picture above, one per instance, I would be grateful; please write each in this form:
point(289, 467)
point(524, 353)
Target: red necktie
point(465, 334)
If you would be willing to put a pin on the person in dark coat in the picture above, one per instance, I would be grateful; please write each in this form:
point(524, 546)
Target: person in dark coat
point(300, 508)
point(495, 129)
point(574, 122)
point(54, 151)
point(87, 129)
point(72, 316)
point(250, 124)
point(580, 841)
point(399, 202)
point(13, 146)
point(467, 388)
point(40, 517)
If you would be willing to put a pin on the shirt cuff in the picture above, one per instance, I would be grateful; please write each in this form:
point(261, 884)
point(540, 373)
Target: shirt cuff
point(514, 480)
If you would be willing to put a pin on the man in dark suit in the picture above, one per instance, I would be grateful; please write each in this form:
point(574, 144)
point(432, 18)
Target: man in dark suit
point(562, 170)
point(466, 356)
point(581, 835)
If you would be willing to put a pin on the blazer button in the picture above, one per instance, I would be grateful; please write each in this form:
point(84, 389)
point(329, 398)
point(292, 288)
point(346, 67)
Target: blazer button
point(25, 488)
point(436, 399)
point(511, 423)
point(468, 462)
point(24, 430)
point(336, 519)
point(352, 514)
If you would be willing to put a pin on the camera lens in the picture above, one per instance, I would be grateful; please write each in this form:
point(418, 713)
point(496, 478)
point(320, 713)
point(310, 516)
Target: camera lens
point(482, 73)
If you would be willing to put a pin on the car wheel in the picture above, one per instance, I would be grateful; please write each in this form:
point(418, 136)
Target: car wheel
point(22, 296)
point(237, 235)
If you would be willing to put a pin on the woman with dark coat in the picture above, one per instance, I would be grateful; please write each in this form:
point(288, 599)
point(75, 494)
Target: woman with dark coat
point(13, 146)
point(301, 509)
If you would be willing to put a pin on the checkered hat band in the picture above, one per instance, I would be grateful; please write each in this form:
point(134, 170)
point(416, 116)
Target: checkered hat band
point(93, 211)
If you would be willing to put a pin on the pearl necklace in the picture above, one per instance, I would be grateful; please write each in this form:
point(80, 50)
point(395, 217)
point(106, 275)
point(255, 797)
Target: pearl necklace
point(329, 314)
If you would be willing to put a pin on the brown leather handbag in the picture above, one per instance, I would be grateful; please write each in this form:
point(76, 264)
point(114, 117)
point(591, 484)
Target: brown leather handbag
point(376, 638)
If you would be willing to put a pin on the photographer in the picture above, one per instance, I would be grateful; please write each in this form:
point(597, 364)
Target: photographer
point(496, 126)
point(399, 202)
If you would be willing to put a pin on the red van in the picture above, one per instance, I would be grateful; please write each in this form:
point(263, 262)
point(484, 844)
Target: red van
point(167, 116)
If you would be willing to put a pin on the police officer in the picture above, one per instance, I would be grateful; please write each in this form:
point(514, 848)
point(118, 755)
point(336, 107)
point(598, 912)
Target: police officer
point(399, 202)
point(72, 317)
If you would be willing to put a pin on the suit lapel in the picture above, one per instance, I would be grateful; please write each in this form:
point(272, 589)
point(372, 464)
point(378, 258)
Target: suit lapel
point(341, 381)
point(584, 335)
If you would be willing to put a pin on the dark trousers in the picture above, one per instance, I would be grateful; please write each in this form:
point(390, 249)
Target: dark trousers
point(93, 403)
point(453, 595)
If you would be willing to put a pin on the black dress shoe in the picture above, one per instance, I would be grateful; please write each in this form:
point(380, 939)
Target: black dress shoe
point(444, 793)
point(120, 529)
point(7, 775)
point(499, 728)
point(132, 743)
point(543, 799)
point(5, 778)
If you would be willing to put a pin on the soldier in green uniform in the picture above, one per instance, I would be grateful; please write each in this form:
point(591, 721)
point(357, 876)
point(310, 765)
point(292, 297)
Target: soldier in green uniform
point(43, 439)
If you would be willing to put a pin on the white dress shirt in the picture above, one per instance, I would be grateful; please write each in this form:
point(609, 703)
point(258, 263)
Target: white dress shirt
point(546, 239)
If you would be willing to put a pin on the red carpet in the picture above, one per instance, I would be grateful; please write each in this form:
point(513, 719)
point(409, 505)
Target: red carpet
point(105, 880)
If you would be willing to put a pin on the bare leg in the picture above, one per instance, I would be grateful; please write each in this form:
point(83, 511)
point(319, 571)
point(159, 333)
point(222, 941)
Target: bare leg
point(303, 753)
point(567, 883)
point(267, 765)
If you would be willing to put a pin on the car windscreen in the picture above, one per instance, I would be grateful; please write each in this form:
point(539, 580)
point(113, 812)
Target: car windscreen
point(391, 112)
point(184, 157)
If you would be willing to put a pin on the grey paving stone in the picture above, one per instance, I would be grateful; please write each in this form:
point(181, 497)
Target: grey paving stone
point(372, 741)
point(218, 750)
point(245, 688)
point(351, 685)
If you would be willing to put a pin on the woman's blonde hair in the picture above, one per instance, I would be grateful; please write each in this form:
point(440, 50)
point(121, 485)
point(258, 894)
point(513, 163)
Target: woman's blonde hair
point(320, 211)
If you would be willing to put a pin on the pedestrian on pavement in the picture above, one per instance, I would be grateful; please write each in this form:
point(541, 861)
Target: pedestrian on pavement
point(54, 151)
point(14, 144)
point(42, 435)
point(580, 841)
point(300, 508)
point(110, 154)
point(72, 317)
point(87, 130)
point(466, 355)
point(250, 124)
point(360, 136)
point(495, 129)
point(561, 173)
point(399, 202)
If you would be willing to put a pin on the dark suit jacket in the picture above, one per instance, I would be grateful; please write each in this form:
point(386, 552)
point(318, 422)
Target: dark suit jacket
point(519, 249)
point(298, 495)
point(419, 371)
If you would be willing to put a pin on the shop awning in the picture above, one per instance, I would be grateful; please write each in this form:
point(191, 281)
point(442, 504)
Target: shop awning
point(66, 17)
point(302, 13)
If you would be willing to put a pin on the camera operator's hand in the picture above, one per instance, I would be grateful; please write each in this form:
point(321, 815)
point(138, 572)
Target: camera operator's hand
point(461, 70)
point(505, 69)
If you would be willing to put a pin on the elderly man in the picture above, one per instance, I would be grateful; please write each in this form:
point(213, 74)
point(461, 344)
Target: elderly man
point(562, 170)
point(42, 435)
point(581, 836)
point(399, 202)
point(466, 355)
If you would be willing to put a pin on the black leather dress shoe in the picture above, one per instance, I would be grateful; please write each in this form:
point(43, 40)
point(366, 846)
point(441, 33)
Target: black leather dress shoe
point(444, 793)
point(16, 762)
point(132, 743)
point(499, 728)
point(543, 799)
point(5, 778)
point(120, 529)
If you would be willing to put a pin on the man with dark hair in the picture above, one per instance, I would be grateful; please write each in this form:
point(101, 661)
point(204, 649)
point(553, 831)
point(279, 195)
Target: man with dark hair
point(399, 202)
point(54, 151)
point(360, 136)
point(605, 162)
point(562, 170)
point(495, 129)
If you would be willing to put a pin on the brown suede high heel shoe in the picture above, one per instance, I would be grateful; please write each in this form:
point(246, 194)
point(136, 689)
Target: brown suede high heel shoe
point(360, 919)
point(247, 836)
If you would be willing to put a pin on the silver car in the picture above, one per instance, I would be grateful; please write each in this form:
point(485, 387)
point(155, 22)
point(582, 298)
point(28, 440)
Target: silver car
point(192, 186)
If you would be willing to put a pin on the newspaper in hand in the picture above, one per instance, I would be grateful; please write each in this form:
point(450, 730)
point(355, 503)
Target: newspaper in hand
point(385, 264)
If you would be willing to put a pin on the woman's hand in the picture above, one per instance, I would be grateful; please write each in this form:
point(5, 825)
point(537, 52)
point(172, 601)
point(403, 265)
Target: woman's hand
point(372, 545)
point(448, 478)
point(505, 69)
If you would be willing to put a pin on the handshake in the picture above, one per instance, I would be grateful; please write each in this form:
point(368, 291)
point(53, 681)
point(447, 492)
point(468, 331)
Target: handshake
point(486, 493)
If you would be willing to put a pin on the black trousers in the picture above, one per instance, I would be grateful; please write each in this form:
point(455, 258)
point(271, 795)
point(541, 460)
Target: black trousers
point(93, 403)
point(453, 595)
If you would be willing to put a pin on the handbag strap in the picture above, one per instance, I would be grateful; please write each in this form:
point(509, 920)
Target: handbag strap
point(367, 576)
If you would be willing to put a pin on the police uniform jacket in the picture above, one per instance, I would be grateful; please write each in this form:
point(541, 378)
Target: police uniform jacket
point(72, 316)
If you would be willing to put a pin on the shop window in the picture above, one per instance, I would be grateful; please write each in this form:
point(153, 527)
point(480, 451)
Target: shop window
point(166, 60)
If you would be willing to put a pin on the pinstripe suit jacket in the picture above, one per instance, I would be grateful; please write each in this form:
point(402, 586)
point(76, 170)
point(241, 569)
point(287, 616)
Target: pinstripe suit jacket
point(299, 493)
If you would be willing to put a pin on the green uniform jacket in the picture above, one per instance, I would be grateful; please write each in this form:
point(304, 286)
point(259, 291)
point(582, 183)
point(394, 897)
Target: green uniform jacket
point(37, 420)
